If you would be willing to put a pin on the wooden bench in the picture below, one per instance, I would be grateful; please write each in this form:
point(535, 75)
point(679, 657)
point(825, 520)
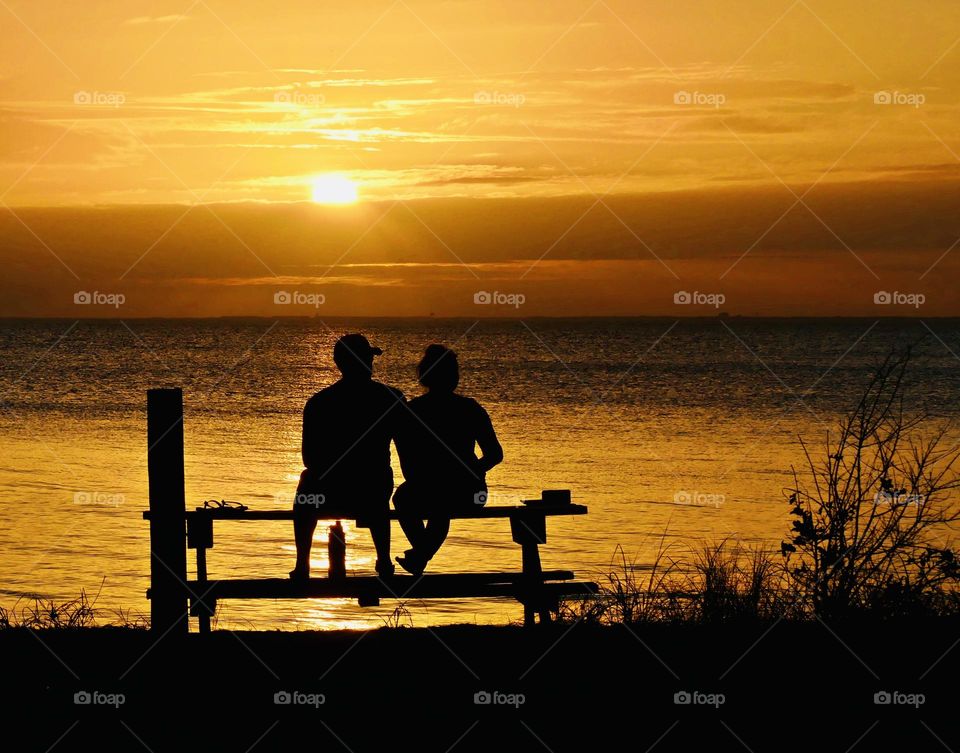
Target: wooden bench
point(173, 530)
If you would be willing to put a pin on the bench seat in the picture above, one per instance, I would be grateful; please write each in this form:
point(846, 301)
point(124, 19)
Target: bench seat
point(433, 586)
point(493, 511)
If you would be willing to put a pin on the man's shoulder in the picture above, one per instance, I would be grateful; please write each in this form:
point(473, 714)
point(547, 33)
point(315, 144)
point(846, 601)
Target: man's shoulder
point(325, 394)
point(338, 391)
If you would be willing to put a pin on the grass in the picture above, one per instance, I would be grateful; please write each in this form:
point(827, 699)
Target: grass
point(37, 613)
point(719, 582)
point(727, 582)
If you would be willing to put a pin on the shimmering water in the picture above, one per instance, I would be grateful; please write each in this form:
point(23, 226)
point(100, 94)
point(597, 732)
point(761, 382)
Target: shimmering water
point(636, 417)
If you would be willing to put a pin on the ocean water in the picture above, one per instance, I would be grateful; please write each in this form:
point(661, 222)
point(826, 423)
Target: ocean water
point(673, 433)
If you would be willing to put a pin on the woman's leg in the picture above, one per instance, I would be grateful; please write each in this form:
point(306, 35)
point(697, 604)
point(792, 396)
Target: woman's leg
point(434, 535)
point(414, 530)
point(438, 527)
point(405, 504)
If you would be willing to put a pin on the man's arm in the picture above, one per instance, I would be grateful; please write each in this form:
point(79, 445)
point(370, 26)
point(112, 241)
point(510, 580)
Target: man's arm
point(398, 413)
point(398, 419)
point(310, 437)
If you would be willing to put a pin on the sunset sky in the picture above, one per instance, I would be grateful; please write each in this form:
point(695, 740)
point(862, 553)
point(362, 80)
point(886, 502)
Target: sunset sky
point(398, 158)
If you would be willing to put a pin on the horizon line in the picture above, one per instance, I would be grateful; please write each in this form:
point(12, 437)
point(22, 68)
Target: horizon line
point(430, 317)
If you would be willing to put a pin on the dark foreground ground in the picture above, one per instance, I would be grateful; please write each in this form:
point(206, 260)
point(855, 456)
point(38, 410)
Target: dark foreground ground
point(808, 687)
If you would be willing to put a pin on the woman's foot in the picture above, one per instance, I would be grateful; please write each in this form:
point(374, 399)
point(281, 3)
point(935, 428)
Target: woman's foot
point(299, 574)
point(385, 569)
point(411, 563)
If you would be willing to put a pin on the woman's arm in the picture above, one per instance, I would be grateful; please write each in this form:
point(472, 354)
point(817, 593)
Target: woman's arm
point(490, 449)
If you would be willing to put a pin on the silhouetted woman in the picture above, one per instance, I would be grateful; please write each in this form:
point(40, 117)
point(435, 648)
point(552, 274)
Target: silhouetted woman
point(437, 454)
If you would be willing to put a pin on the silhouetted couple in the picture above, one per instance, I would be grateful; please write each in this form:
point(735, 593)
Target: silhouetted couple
point(347, 430)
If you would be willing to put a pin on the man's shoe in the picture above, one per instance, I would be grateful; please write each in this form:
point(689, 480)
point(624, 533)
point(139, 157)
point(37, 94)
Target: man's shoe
point(385, 569)
point(296, 574)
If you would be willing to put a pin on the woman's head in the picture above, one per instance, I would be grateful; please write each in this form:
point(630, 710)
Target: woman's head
point(438, 369)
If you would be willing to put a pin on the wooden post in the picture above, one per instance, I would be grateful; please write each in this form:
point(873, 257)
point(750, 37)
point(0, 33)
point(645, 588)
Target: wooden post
point(203, 608)
point(531, 571)
point(168, 542)
point(529, 530)
point(200, 537)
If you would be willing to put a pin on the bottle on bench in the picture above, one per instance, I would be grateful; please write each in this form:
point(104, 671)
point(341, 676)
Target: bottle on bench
point(337, 552)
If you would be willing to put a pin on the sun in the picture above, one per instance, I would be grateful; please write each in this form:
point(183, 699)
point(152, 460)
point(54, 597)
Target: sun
point(334, 189)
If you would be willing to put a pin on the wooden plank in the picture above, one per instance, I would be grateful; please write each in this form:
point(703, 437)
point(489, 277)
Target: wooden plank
point(199, 586)
point(500, 511)
point(399, 587)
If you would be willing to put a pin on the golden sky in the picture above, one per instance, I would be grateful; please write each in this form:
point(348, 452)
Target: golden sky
point(794, 158)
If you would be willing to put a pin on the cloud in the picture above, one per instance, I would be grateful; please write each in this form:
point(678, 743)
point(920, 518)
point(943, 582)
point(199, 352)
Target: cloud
point(144, 20)
point(566, 255)
point(296, 280)
point(946, 170)
point(479, 180)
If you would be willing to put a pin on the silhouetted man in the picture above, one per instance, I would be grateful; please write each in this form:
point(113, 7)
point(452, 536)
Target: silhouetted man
point(347, 429)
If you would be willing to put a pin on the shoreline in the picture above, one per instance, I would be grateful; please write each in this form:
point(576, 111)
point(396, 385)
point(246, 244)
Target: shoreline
point(582, 686)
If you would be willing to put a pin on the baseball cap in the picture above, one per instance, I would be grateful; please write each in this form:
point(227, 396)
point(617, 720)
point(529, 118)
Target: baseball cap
point(354, 344)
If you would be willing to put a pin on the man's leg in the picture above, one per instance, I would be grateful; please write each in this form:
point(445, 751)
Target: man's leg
point(380, 533)
point(303, 528)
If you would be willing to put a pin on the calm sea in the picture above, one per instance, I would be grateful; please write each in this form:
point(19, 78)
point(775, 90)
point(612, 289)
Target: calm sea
point(682, 431)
